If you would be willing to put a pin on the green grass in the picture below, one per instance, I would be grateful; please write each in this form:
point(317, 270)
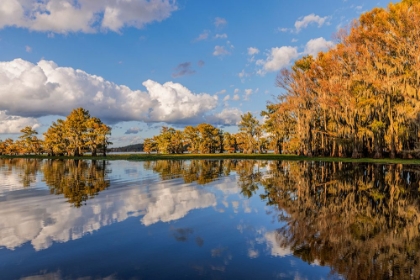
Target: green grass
point(146, 157)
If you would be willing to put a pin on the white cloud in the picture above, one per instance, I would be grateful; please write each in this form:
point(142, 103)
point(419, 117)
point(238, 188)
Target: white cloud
point(312, 18)
point(253, 51)
point(236, 97)
point(274, 241)
point(236, 91)
point(63, 16)
point(221, 36)
point(284, 29)
point(28, 49)
point(252, 253)
point(220, 22)
point(278, 58)
point(243, 74)
point(203, 36)
point(13, 124)
point(30, 90)
point(220, 50)
point(223, 91)
point(169, 205)
point(229, 116)
point(248, 92)
point(314, 46)
point(227, 97)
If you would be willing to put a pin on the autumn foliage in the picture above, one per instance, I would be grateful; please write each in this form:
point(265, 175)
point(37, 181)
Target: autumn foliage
point(77, 134)
point(360, 98)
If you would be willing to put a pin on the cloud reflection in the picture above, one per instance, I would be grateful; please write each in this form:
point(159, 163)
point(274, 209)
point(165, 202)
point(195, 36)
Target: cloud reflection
point(42, 219)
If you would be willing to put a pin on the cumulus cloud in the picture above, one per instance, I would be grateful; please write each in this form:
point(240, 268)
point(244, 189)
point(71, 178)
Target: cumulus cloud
point(278, 58)
point(220, 50)
point(314, 46)
point(253, 51)
point(220, 22)
point(63, 16)
point(236, 97)
point(229, 116)
point(223, 91)
point(312, 18)
point(183, 69)
point(35, 90)
point(13, 124)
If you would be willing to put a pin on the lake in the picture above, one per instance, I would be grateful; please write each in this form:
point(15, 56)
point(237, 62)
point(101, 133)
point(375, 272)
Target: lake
point(208, 219)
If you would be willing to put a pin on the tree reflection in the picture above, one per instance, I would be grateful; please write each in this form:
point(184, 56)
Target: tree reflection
point(362, 220)
point(77, 180)
point(25, 168)
point(250, 175)
point(200, 171)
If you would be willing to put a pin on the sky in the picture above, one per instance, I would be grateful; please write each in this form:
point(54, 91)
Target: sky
point(139, 65)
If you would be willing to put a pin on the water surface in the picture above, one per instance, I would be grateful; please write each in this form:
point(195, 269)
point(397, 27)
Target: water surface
point(210, 219)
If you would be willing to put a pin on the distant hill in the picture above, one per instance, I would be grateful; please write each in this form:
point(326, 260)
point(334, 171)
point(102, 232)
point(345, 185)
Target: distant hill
point(129, 148)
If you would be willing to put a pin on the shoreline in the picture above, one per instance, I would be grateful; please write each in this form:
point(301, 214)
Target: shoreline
point(151, 157)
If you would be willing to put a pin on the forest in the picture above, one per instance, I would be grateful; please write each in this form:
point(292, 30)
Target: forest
point(77, 134)
point(360, 98)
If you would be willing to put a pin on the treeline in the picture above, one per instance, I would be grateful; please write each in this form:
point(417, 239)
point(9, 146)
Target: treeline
point(77, 134)
point(360, 98)
point(207, 139)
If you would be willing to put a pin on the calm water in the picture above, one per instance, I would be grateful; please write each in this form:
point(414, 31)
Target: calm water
point(208, 219)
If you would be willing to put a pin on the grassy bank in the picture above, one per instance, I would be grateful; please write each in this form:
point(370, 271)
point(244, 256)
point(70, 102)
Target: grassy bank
point(145, 157)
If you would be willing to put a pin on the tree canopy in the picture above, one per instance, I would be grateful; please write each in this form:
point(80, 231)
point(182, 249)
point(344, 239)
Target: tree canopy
point(77, 134)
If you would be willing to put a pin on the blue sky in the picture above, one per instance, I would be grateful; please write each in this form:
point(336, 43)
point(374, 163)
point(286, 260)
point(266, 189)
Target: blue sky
point(141, 64)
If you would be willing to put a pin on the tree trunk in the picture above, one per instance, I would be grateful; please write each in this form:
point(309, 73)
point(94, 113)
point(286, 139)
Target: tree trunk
point(377, 147)
point(392, 150)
